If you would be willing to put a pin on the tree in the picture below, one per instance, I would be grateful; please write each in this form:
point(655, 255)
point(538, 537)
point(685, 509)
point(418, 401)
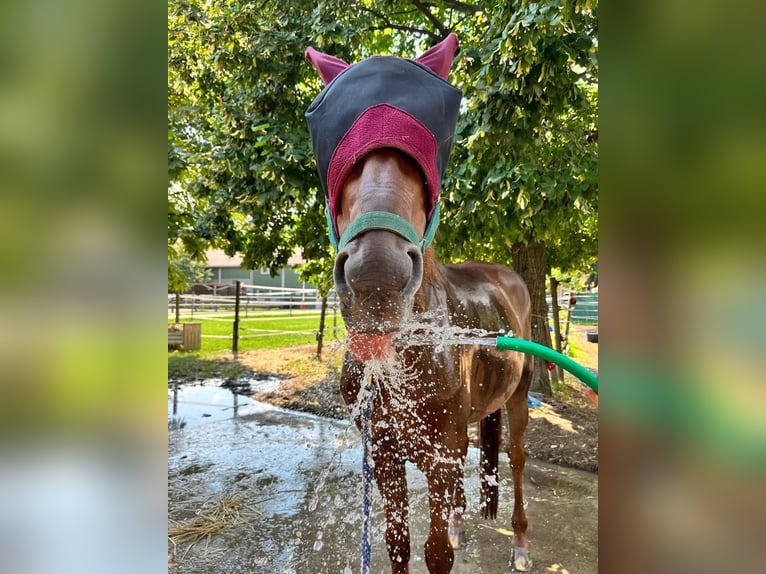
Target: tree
point(241, 170)
point(184, 269)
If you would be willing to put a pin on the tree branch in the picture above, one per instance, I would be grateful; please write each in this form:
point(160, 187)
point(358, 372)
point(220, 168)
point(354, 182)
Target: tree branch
point(388, 24)
point(463, 6)
point(423, 31)
point(430, 17)
point(423, 7)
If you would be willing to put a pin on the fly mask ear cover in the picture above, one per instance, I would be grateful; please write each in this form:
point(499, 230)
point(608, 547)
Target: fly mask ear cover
point(383, 102)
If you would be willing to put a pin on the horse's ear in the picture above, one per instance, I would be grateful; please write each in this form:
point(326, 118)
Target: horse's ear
point(327, 66)
point(439, 58)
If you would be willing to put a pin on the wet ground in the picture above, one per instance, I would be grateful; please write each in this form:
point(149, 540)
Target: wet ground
point(291, 484)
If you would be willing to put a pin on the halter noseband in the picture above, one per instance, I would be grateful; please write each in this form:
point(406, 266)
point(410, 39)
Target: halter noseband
point(387, 221)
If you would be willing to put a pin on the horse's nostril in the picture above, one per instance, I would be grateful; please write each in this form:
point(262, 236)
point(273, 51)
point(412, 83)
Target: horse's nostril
point(416, 257)
point(339, 275)
point(414, 253)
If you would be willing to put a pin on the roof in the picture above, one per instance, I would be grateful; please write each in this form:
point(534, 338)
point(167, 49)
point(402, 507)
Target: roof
point(217, 258)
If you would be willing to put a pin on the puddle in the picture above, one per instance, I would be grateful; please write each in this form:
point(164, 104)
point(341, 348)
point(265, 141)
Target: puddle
point(298, 477)
point(191, 404)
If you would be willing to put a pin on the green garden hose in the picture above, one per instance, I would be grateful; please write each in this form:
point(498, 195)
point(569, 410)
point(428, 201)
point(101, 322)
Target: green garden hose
point(532, 348)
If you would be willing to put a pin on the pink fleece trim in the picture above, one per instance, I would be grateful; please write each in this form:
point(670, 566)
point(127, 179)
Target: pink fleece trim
point(383, 126)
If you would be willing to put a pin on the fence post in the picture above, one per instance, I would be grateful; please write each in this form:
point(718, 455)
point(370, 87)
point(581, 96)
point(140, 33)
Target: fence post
point(572, 302)
point(556, 324)
point(320, 333)
point(235, 335)
point(334, 316)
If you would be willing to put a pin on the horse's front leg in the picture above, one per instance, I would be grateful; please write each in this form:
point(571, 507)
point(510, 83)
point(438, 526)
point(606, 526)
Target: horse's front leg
point(391, 478)
point(443, 479)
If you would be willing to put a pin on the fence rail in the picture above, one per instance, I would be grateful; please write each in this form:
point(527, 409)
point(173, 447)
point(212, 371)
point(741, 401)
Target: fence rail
point(267, 317)
point(259, 298)
point(252, 297)
point(585, 309)
point(278, 304)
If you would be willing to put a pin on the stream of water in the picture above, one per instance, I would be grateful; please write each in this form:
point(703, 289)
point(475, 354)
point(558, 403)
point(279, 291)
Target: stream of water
point(430, 329)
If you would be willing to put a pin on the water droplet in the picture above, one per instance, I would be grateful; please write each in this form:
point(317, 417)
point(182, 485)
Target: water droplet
point(318, 543)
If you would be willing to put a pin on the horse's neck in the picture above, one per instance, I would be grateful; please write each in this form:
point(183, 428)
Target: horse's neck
point(432, 269)
point(433, 280)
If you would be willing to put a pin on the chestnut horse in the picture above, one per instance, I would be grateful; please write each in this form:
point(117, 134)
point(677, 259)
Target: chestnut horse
point(387, 278)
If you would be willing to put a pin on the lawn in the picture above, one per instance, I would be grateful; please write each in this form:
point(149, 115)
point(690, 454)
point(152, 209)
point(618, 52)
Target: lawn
point(268, 329)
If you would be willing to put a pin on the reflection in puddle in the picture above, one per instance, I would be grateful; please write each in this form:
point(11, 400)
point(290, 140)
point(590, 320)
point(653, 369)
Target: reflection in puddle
point(206, 401)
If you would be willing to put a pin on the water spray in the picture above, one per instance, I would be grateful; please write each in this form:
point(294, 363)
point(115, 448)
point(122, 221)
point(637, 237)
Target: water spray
point(377, 347)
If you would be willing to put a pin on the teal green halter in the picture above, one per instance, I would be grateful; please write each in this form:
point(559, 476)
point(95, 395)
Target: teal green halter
point(386, 221)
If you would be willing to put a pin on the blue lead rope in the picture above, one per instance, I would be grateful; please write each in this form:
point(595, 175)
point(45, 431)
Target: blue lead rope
point(367, 476)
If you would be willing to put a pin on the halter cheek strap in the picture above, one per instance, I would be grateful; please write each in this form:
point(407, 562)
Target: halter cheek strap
point(387, 221)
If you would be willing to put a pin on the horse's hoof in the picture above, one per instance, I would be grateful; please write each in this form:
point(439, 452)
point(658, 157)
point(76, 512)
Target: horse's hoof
point(520, 560)
point(456, 532)
point(457, 538)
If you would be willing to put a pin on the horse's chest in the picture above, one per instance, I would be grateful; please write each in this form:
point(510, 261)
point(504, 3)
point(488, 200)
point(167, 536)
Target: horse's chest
point(417, 430)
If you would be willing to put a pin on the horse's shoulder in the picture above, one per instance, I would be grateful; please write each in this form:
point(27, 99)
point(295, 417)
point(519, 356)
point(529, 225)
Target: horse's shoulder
point(489, 278)
point(496, 273)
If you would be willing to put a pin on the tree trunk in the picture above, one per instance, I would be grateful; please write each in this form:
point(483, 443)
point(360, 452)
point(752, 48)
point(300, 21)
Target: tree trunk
point(529, 261)
point(554, 374)
point(572, 302)
point(178, 306)
point(235, 327)
point(320, 333)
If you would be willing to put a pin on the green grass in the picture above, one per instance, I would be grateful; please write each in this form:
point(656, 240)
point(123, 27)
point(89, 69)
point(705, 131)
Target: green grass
point(576, 353)
point(268, 329)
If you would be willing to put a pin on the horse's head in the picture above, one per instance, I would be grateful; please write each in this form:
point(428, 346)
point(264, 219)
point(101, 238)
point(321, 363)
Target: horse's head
point(382, 132)
point(378, 271)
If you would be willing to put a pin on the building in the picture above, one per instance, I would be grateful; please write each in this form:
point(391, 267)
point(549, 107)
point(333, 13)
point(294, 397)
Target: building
point(227, 270)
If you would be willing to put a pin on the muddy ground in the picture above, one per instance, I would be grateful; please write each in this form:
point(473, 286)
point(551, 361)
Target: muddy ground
point(277, 491)
point(563, 430)
point(260, 492)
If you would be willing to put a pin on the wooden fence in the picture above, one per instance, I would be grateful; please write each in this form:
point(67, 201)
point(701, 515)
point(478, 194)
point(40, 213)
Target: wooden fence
point(252, 297)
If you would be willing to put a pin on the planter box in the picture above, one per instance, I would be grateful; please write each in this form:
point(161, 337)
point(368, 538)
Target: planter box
point(186, 335)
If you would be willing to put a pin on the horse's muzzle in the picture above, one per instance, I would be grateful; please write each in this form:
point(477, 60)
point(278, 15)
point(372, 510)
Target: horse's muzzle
point(376, 278)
